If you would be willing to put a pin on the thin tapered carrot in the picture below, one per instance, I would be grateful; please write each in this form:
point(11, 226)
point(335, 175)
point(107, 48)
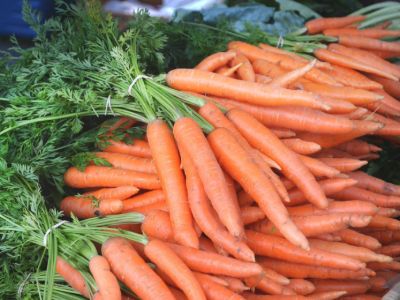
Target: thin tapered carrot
point(362, 194)
point(206, 217)
point(136, 148)
point(250, 92)
point(228, 72)
point(121, 192)
point(302, 271)
point(352, 287)
point(107, 284)
point(320, 24)
point(388, 212)
point(356, 114)
point(390, 86)
point(261, 138)
point(328, 186)
point(338, 106)
point(251, 296)
point(144, 199)
point(118, 123)
point(283, 133)
point(386, 223)
point(236, 285)
point(215, 61)
point(275, 276)
point(166, 260)
point(391, 128)
point(287, 79)
point(386, 236)
point(379, 266)
point(359, 253)
point(251, 214)
point(345, 61)
point(263, 79)
point(277, 247)
point(383, 108)
point(133, 271)
point(355, 238)
point(318, 168)
point(388, 100)
point(369, 32)
point(266, 285)
point(358, 147)
point(238, 163)
point(157, 225)
point(368, 43)
point(167, 160)
point(191, 139)
point(301, 147)
point(330, 237)
point(327, 295)
point(343, 164)
point(98, 176)
point(84, 207)
point(245, 70)
point(213, 263)
point(215, 291)
point(145, 209)
point(301, 286)
point(72, 276)
point(128, 162)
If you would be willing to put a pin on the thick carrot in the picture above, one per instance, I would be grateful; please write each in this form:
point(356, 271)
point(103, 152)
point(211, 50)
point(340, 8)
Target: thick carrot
point(386, 236)
point(320, 24)
point(390, 86)
point(166, 260)
point(301, 286)
point(368, 43)
point(128, 162)
point(266, 285)
point(167, 160)
point(301, 147)
point(191, 139)
point(72, 276)
point(355, 238)
point(318, 168)
point(277, 247)
point(362, 194)
point(386, 223)
point(251, 214)
point(106, 282)
point(245, 70)
point(250, 92)
point(121, 193)
point(215, 291)
point(213, 263)
point(390, 250)
point(379, 266)
point(238, 163)
point(157, 224)
point(352, 287)
point(327, 295)
point(261, 138)
point(343, 164)
point(136, 148)
point(373, 33)
point(205, 216)
point(133, 271)
point(301, 271)
point(287, 79)
point(215, 61)
point(84, 207)
point(97, 176)
point(144, 199)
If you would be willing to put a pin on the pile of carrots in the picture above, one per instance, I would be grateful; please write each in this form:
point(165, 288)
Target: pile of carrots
point(271, 203)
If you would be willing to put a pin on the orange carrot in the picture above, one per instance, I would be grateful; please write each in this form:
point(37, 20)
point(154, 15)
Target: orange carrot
point(251, 296)
point(84, 207)
point(245, 70)
point(128, 162)
point(301, 286)
point(386, 223)
point(301, 147)
point(390, 86)
point(157, 224)
point(369, 33)
point(362, 297)
point(145, 209)
point(190, 138)
point(121, 193)
point(358, 239)
point(144, 199)
point(252, 214)
point(168, 163)
point(215, 291)
point(356, 114)
point(287, 79)
point(118, 123)
point(244, 199)
point(277, 247)
point(362, 194)
point(338, 106)
point(275, 276)
point(390, 250)
point(72, 276)
point(388, 212)
point(215, 61)
point(136, 148)
point(320, 24)
point(358, 147)
point(236, 285)
point(263, 79)
point(378, 266)
point(318, 168)
point(386, 237)
point(97, 176)
point(343, 164)
point(228, 72)
point(352, 287)
point(368, 43)
point(266, 285)
point(327, 295)
point(107, 284)
point(283, 133)
point(133, 271)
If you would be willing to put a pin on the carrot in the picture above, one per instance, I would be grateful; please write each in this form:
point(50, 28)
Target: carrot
point(386, 237)
point(353, 95)
point(358, 147)
point(318, 168)
point(261, 138)
point(362, 297)
point(228, 72)
point(358, 239)
point(245, 70)
point(121, 193)
point(215, 291)
point(378, 283)
point(320, 24)
point(145, 209)
point(275, 276)
point(279, 248)
point(362, 194)
point(338, 106)
point(236, 285)
point(84, 207)
point(385, 54)
point(157, 224)
point(378, 266)
point(205, 216)
point(177, 293)
point(301, 271)
point(330, 237)
point(166, 259)
point(250, 92)
point(381, 222)
point(97, 176)
point(373, 33)
point(343, 164)
point(368, 43)
point(388, 100)
point(292, 117)
point(301, 147)
point(250, 296)
point(287, 79)
point(106, 282)
point(388, 212)
point(190, 138)
point(301, 286)
point(356, 114)
point(118, 123)
point(244, 199)
point(128, 162)
point(382, 25)
point(212, 263)
point(352, 287)
point(266, 285)
point(133, 271)
point(390, 250)
point(391, 128)
point(72, 276)
point(390, 86)
point(359, 253)
point(136, 148)
point(345, 61)
point(327, 295)
point(215, 61)
point(238, 163)
point(283, 133)
point(144, 199)
point(263, 79)
point(167, 160)
point(252, 214)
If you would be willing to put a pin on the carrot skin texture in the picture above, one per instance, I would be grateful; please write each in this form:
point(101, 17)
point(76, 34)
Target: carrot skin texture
point(133, 271)
point(72, 276)
point(157, 224)
point(352, 287)
point(215, 61)
point(86, 207)
point(121, 193)
point(144, 199)
point(215, 291)
point(326, 295)
point(264, 284)
point(129, 162)
point(106, 282)
point(137, 148)
point(362, 194)
point(301, 286)
point(320, 24)
point(355, 238)
point(374, 184)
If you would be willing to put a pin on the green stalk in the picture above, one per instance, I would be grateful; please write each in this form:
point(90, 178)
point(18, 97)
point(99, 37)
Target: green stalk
point(372, 7)
point(377, 20)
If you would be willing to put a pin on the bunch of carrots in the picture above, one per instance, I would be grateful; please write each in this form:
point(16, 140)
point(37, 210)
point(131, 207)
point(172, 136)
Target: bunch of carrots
point(270, 202)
